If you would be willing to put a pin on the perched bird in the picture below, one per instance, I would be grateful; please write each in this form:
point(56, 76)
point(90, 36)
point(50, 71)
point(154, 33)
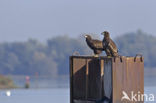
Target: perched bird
point(95, 45)
point(109, 46)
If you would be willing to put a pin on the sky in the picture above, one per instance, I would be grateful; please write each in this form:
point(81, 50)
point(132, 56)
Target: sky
point(43, 19)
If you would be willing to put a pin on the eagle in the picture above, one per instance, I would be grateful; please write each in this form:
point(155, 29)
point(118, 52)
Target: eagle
point(94, 44)
point(109, 46)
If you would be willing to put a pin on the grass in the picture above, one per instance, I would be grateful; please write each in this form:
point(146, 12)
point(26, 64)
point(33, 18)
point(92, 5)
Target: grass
point(6, 83)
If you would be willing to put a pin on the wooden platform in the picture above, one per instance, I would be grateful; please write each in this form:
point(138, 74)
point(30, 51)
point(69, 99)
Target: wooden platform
point(99, 79)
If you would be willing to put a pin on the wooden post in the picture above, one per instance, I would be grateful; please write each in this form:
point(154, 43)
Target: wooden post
point(71, 79)
point(103, 80)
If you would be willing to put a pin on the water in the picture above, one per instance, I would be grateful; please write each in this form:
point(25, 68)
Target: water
point(36, 96)
point(59, 95)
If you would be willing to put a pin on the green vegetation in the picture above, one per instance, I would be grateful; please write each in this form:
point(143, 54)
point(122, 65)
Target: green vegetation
point(139, 42)
point(6, 82)
point(51, 58)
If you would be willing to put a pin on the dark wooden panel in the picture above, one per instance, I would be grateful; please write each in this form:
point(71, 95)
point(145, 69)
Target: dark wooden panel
point(79, 78)
point(84, 101)
point(94, 79)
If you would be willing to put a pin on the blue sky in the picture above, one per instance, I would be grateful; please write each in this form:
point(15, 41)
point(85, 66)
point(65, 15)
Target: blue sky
point(42, 19)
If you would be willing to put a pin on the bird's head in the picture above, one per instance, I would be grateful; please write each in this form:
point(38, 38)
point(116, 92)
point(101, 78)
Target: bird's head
point(87, 36)
point(105, 33)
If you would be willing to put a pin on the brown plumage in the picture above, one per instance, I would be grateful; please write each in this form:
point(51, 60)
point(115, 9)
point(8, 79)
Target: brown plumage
point(109, 46)
point(95, 45)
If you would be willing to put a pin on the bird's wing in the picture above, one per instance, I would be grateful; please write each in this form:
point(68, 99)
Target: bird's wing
point(97, 44)
point(112, 46)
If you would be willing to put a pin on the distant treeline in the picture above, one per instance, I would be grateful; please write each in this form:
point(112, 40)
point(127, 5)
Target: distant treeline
point(51, 58)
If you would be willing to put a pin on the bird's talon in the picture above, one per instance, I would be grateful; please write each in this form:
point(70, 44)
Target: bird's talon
point(96, 55)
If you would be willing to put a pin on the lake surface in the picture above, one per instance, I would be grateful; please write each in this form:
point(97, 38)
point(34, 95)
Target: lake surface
point(36, 96)
point(59, 95)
